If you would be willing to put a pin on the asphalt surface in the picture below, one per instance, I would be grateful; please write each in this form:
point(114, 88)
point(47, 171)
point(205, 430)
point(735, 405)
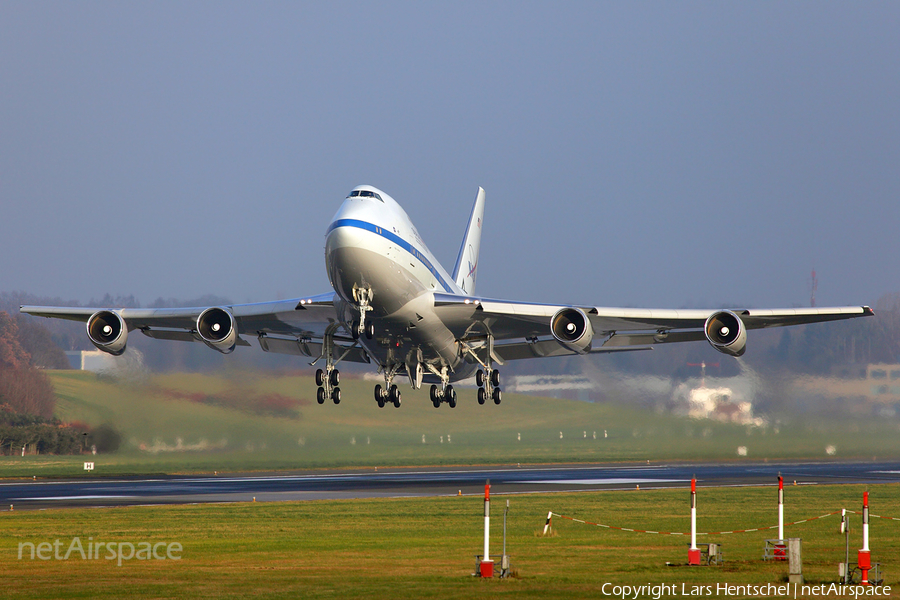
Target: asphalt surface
point(423, 482)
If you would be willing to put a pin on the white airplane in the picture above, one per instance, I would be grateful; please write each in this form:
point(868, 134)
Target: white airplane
point(394, 305)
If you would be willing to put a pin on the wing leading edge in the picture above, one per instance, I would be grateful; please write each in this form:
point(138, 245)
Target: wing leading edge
point(295, 326)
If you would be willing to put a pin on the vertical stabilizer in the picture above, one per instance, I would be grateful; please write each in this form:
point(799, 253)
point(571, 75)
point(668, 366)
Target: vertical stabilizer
point(467, 262)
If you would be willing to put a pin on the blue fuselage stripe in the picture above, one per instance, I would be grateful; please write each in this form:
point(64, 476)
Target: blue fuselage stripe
point(393, 237)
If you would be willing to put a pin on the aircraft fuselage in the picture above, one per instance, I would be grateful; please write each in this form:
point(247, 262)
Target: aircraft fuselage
point(374, 253)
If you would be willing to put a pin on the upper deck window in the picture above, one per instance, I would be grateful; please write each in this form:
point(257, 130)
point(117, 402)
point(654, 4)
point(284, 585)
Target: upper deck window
point(365, 194)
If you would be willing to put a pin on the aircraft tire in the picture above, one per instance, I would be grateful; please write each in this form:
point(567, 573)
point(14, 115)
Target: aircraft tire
point(481, 395)
point(320, 396)
point(370, 330)
point(379, 396)
point(451, 396)
point(495, 378)
point(496, 395)
point(336, 395)
point(479, 378)
point(335, 378)
point(320, 377)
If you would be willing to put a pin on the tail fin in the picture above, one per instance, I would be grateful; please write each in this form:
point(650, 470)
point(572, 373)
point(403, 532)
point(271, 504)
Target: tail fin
point(467, 262)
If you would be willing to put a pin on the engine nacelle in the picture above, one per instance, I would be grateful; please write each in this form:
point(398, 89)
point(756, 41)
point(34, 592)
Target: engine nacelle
point(217, 329)
point(726, 332)
point(572, 328)
point(108, 332)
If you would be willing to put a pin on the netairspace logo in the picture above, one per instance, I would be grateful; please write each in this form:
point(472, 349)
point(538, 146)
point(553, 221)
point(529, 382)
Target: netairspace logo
point(118, 551)
point(785, 590)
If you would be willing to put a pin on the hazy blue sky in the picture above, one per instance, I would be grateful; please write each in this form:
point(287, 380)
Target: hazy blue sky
point(642, 154)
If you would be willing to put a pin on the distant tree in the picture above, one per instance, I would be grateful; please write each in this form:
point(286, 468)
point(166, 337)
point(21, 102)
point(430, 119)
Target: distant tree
point(24, 388)
point(37, 341)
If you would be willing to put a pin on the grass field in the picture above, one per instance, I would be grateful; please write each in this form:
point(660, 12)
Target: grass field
point(182, 423)
point(424, 548)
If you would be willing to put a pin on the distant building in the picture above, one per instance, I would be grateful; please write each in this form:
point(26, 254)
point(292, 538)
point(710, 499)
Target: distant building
point(95, 361)
point(554, 386)
point(883, 383)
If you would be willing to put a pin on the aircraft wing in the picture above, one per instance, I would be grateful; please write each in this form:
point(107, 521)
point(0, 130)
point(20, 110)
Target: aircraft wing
point(524, 330)
point(294, 326)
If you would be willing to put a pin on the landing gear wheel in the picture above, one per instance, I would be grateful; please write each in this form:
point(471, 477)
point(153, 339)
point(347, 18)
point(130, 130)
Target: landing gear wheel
point(370, 330)
point(479, 378)
point(320, 377)
point(379, 396)
point(481, 395)
point(433, 394)
point(394, 396)
point(335, 378)
point(354, 329)
point(495, 378)
point(497, 395)
point(336, 395)
point(320, 396)
point(436, 403)
point(451, 396)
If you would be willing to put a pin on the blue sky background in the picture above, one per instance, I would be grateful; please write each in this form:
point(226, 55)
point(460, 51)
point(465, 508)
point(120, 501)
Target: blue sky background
point(635, 154)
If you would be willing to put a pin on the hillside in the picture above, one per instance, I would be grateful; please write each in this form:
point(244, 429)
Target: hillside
point(251, 421)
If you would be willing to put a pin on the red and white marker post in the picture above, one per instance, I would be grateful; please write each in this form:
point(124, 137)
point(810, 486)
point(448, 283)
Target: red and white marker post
point(781, 508)
point(487, 565)
point(864, 559)
point(780, 547)
point(694, 552)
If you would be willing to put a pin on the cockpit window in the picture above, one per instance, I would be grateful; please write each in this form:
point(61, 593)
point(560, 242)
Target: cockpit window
point(365, 194)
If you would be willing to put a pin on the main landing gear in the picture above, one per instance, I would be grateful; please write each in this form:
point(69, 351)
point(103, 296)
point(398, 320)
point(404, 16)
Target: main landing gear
point(488, 382)
point(488, 379)
point(328, 386)
point(443, 394)
point(329, 378)
point(390, 393)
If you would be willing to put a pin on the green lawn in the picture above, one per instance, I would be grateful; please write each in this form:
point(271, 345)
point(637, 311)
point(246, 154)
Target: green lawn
point(418, 548)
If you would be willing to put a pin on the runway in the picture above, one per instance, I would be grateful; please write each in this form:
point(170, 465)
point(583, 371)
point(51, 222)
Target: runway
point(423, 482)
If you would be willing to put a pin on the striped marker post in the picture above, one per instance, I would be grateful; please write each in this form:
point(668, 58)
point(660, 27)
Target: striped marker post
point(780, 507)
point(780, 547)
point(694, 552)
point(487, 565)
point(865, 559)
point(548, 524)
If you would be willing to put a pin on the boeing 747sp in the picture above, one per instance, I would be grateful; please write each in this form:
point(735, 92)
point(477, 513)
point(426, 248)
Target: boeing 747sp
point(394, 306)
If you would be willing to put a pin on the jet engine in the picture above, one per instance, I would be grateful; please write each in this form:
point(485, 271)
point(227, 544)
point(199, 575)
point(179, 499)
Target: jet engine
point(217, 329)
point(107, 330)
point(726, 332)
point(572, 328)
